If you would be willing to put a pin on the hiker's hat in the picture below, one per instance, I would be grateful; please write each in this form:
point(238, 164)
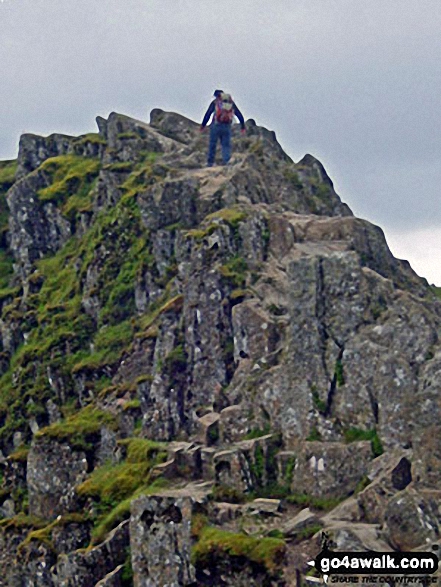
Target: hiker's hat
point(217, 93)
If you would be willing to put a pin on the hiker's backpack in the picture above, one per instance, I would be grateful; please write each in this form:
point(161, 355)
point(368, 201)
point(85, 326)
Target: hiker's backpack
point(224, 109)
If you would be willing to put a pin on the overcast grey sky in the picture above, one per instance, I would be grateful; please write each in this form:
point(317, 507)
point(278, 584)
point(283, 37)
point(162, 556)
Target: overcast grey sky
point(355, 83)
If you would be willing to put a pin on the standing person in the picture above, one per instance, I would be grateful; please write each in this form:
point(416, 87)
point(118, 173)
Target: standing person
point(223, 110)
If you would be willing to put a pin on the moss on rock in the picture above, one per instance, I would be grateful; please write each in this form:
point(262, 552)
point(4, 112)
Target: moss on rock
point(80, 428)
point(214, 544)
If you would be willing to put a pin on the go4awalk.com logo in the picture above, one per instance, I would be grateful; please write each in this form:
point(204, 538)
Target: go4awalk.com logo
point(375, 567)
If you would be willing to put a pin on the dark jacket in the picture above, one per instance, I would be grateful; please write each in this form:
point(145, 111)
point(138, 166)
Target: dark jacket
point(212, 108)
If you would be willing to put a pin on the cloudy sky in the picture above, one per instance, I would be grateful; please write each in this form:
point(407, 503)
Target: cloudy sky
point(355, 83)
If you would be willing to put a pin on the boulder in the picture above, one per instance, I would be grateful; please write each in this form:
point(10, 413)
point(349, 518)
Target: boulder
point(304, 522)
point(411, 520)
point(209, 428)
point(390, 473)
point(264, 506)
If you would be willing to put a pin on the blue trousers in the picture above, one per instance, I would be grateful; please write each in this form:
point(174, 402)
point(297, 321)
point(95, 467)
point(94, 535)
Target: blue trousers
point(221, 132)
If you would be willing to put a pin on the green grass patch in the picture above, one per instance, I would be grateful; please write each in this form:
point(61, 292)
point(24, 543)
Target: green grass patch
point(121, 167)
point(293, 178)
point(314, 435)
point(141, 450)
point(6, 272)
point(198, 234)
point(238, 295)
point(71, 176)
point(120, 303)
point(235, 272)
point(21, 521)
point(317, 503)
point(307, 533)
point(134, 404)
point(362, 484)
point(113, 486)
point(113, 483)
point(143, 174)
point(113, 338)
point(164, 304)
point(7, 174)
point(109, 344)
point(175, 362)
point(127, 571)
point(57, 330)
point(60, 334)
point(44, 534)
point(339, 375)
point(317, 401)
point(60, 279)
point(258, 432)
point(215, 544)
point(20, 455)
point(79, 430)
point(357, 434)
point(113, 516)
point(231, 216)
point(93, 137)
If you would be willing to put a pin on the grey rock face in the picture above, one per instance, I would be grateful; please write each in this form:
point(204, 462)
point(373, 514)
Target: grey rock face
point(33, 150)
point(54, 470)
point(128, 137)
point(411, 520)
point(36, 228)
point(158, 205)
point(34, 563)
point(391, 473)
point(174, 125)
point(9, 541)
point(328, 469)
point(160, 542)
point(81, 569)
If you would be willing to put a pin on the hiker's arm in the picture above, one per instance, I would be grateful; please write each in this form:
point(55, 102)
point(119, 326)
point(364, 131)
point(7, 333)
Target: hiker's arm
point(238, 113)
point(207, 115)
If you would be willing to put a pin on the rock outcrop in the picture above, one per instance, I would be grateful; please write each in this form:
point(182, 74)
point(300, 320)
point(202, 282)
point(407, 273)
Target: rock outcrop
point(192, 357)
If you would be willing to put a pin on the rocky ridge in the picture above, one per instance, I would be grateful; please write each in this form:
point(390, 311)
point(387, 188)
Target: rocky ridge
point(197, 363)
